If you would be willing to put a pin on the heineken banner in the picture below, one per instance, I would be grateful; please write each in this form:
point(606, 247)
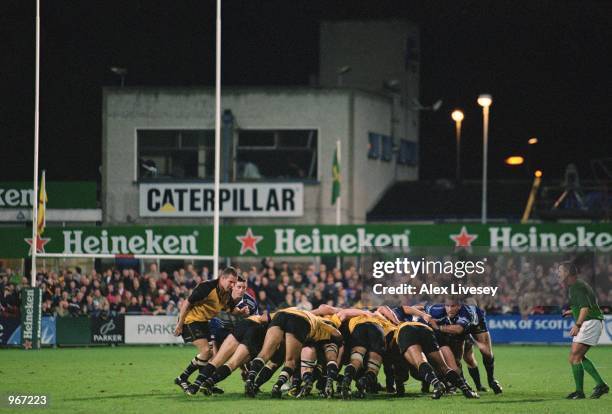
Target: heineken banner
point(30, 317)
point(305, 240)
point(236, 200)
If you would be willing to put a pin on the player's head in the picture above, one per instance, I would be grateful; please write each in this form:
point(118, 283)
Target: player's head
point(567, 272)
point(228, 278)
point(452, 306)
point(239, 288)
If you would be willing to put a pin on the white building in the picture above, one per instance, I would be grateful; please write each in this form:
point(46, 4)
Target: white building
point(274, 135)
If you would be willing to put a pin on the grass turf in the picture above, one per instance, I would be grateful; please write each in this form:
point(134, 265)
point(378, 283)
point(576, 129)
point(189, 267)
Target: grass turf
point(139, 380)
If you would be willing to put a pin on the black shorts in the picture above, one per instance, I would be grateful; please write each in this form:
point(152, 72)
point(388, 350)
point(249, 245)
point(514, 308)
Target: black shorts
point(454, 342)
point(195, 330)
point(293, 324)
point(251, 334)
point(417, 335)
point(369, 336)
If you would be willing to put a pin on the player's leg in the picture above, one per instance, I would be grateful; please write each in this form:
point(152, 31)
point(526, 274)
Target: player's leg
point(485, 345)
point(196, 333)
point(577, 353)
point(332, 356)
point(228, 347)
point(370, 378)
point(415, 357)
point(293, 349)
point(355, 364)
point(238, 357)
point(273, 338)
point(308, 362)
point(470, 360)
point(444, 359)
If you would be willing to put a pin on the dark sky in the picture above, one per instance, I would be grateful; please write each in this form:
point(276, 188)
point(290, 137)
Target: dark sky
point(544, 62)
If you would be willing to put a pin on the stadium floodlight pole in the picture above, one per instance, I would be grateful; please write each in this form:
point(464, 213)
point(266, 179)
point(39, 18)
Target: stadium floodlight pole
point(484, 100)
point(36, 127)
point(457, 116)
point(217, 143)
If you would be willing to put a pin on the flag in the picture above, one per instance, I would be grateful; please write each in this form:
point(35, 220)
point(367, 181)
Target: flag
point(42, 204)
point(336, 178)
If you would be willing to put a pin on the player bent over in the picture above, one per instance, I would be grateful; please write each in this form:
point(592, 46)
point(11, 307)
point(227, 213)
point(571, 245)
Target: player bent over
point(204, 303)
point(586, 331)
point(416, 340)
point(237, 349)
point(367, 338)
point(319, 362)
point(296, 327)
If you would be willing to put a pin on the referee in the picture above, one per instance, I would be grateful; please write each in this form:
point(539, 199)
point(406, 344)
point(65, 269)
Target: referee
point(586, 331)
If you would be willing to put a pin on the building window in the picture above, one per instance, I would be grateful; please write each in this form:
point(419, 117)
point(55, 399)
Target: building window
point(373, 146)
point(408, 154)
point(175, 154)
point(387, 148)
point(284, 154)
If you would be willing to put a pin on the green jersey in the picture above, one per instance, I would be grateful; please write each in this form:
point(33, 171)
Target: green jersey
point(581, 295)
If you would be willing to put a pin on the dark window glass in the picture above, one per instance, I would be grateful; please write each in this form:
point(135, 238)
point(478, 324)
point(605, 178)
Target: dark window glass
point(373, 145)
point(175, 154)
point(286, 155)
point(387, 148)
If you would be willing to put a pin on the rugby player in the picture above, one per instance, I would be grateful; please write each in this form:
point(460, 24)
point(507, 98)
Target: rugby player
point(205, 302)
point(367, 339)
point(224, 323)
point(296, 327)
point(586, 330)
point(478, 333)
point(238, 348)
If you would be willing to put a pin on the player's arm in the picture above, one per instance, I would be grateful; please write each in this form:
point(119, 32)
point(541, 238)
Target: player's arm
point(451, 329)
point(581, 317)
point(350, 313)
point(324, 310)
point(419, 311)
point(185, 306)
point(389, 314)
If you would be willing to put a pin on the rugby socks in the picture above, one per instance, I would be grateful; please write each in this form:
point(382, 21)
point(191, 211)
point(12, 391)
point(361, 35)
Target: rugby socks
point(220, 374)
point(349, 372)
point(457, 381)
point(592, 371)
point(297, 380)
point(332, 370)
point(578, 372)
point(256, 365)
point(475, 374)
point(195, 364)
point(489, 364)
point(206, 372)
point(264, 376)
point(284, 376)
point(427, 373)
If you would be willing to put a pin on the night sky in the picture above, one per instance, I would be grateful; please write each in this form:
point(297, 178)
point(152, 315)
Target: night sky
point(544, 62)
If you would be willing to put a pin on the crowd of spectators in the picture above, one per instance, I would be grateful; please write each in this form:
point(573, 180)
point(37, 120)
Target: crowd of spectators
point(527, 285)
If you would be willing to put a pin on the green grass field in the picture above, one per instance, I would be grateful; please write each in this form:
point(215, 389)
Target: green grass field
point(139, 380)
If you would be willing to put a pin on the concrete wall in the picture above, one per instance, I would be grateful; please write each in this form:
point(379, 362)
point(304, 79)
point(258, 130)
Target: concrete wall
point(336, 114)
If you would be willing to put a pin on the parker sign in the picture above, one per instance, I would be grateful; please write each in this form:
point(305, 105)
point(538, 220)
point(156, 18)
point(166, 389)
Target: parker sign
point(236, 200)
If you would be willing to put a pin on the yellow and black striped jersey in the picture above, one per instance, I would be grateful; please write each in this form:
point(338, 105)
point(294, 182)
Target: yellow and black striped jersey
point(334, 319)
point(319, 329)
point(383, 323)
point(207, 300)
